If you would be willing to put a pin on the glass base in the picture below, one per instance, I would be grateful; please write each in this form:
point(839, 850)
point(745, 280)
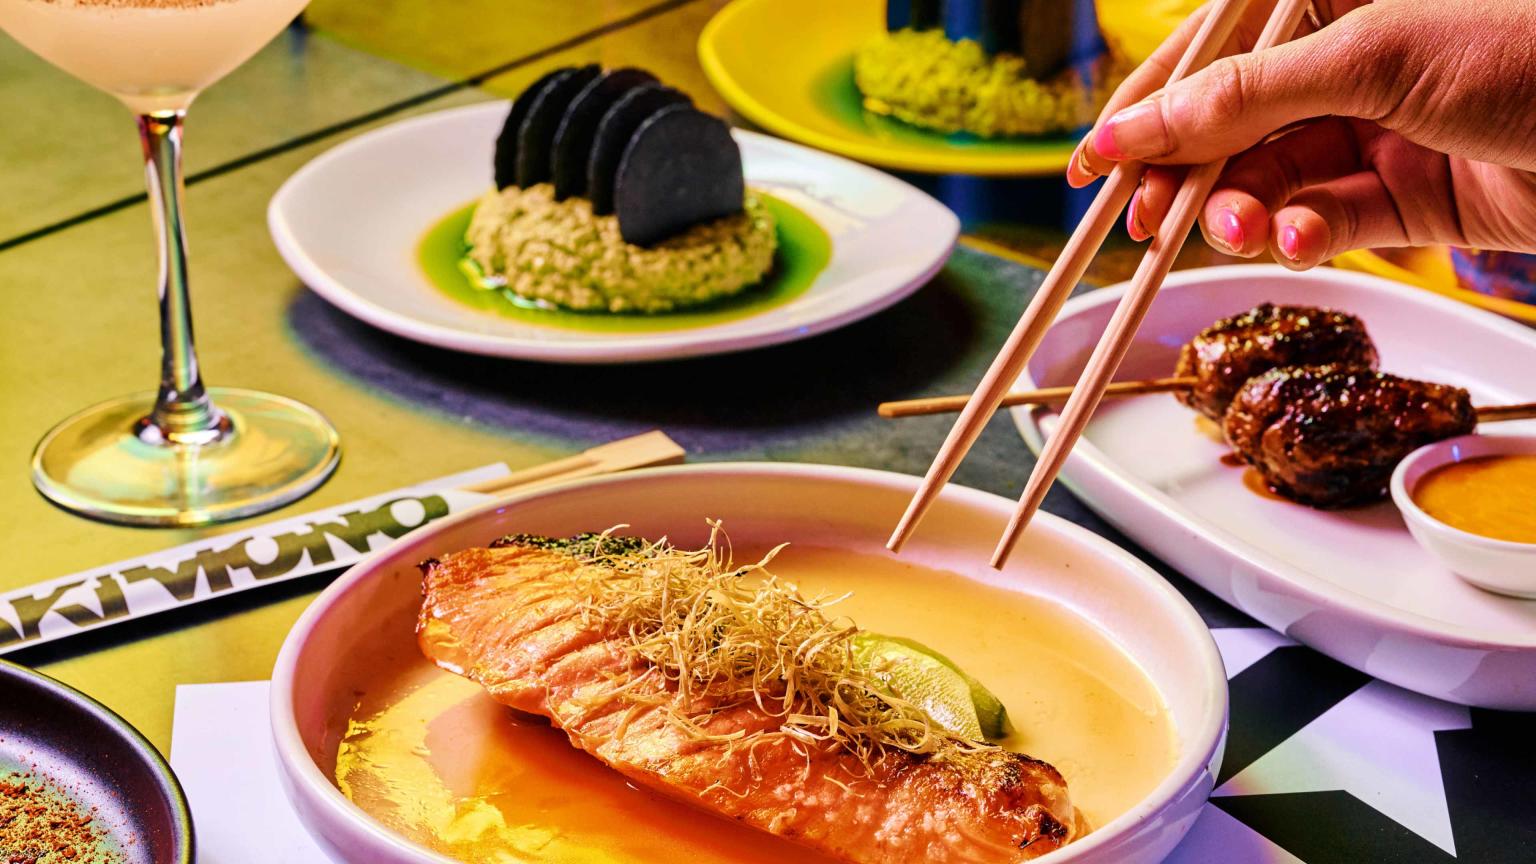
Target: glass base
point(99, 463)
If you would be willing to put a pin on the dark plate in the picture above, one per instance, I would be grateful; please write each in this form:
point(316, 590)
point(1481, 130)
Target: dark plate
point(92, 756)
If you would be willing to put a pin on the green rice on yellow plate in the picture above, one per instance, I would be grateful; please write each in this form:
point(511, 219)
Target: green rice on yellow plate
point(559, 253)
point(922, 78)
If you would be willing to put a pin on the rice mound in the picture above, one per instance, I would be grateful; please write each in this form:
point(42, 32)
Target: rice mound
point(922, 78)
point(559, 253)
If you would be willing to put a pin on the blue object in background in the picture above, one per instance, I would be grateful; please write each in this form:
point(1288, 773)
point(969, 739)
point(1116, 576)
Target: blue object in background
point(1087, 47)
point(1087, 40)
point(968, 19)
point(916, 14)
point(1046, 202)
point(1510, 275)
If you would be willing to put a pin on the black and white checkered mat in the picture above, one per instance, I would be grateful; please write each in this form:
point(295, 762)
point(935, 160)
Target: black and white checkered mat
point(1325, 765)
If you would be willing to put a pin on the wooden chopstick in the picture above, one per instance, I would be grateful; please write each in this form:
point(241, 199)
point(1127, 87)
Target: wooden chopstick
point(641, 451)
point(1128, 316)
point(1043, 396)
point(1055, 288)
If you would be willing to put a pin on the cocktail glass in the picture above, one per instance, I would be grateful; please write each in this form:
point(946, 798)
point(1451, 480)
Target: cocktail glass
point(187, 454)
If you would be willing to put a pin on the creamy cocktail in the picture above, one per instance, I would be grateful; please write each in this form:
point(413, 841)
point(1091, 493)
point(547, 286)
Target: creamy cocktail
point(155, 55)
point(186, 454)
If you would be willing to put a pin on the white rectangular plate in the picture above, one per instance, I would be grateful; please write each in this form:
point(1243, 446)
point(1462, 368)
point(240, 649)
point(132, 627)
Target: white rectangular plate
point(1351, 583)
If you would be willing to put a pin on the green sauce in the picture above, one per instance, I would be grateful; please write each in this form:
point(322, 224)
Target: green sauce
point(840, 98)
point(804, 250)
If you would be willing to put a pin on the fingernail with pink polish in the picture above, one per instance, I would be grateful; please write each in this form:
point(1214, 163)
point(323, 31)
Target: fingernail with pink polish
point(1077, 173)
point(1104, 142)
point(1289, 242)
point(1136, 131)
point(1133, 221)
point(1230, 230)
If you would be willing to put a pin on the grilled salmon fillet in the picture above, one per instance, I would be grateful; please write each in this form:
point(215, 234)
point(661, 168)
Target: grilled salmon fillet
point(511, 617)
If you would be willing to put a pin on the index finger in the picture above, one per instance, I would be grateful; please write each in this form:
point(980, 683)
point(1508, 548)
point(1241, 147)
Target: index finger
point(1153, 73)
point(1150, 76)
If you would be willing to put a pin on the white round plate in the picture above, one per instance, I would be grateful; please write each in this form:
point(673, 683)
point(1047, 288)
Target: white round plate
point(1350, 583)
point(375, 604)
point(349, 223)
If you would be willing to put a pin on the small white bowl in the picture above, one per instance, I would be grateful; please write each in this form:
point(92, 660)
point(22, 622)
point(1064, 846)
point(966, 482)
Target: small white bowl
point(1500, 566)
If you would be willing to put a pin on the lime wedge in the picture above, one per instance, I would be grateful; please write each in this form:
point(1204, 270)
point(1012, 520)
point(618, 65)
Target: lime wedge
point(952, 699)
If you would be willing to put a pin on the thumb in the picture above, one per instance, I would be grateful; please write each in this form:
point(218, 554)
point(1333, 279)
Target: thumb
point(1343, 69)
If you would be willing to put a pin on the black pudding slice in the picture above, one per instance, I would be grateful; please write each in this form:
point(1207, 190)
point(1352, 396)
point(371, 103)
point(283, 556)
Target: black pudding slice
point(681, 168)
point(613, 133)
point(505, 161)
point(578, 128)
point(536, 138)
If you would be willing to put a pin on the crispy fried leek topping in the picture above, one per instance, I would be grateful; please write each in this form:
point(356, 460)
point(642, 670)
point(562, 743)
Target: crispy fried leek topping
point(724, 635)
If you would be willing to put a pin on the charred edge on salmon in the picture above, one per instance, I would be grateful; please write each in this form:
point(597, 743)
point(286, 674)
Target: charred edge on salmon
point(584, 546)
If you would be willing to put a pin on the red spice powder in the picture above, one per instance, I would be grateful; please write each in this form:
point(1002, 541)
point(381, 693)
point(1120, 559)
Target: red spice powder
point(40, 824)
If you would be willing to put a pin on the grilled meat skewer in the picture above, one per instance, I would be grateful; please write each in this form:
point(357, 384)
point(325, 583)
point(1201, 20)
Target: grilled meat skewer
point(1215, 364)
point(1223, 356)
point(1329, 436)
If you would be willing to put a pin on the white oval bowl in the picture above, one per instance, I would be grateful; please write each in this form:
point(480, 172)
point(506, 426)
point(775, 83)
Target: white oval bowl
point(1500, 566)
point(853, 508)
point(1351, 583)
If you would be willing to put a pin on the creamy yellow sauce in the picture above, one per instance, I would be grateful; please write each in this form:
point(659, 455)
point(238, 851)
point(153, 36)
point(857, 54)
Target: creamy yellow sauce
point(428, 754)
point(1494, 496)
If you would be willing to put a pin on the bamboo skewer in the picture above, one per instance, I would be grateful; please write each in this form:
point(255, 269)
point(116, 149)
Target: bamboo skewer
point(1056, 287)
point(1043, 396)
point(1054, 395)
point(1500, 413)
point(640, 451)
point(1128, 316)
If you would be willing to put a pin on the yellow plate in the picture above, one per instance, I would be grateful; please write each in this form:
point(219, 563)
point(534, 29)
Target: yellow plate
point(1430, 268)
point(787, 65)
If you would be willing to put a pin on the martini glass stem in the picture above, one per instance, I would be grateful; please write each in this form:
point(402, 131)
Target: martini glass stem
point(183, 413)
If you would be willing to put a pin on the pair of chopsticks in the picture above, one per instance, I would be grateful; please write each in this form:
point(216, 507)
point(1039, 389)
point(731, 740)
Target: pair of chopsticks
point(1064, 275)
point(641, 451)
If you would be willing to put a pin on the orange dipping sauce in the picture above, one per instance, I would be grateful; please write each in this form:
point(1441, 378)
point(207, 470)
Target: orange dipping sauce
point(1491, 496)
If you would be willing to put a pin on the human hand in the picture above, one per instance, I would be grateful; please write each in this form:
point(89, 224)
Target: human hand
point(1393, 123)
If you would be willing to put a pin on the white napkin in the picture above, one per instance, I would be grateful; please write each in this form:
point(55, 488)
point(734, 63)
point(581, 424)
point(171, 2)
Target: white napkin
point(221, 748)
point(1378, 744)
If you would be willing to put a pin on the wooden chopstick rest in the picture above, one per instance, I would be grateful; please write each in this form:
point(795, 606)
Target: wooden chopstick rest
point(640, 451)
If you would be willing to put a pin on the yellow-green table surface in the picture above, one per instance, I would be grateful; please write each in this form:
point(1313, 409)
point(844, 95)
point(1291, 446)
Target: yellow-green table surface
point(77, 269)
point(77, 305)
